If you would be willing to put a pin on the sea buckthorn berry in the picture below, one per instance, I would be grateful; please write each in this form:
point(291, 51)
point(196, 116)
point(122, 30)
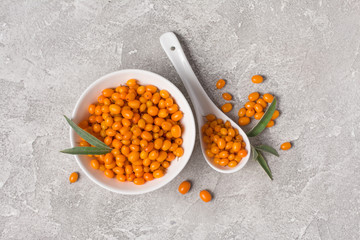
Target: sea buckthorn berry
point(177, 116)
point(109, 173)
point(205, 196)
point(140, 90)
point(223, 161)
point(258, 115)
point(131, 82)
point(270, 124)
point(261, 102)
point(151, 88)
point(232, 164)
point(221, 143)
point(169, 102)
point(114, 109)
point(258, 108)
point(220, 83)
point(158, 173)
point(184, 187)
point(226, 107)
point(107, 92)
point(210, 117)
point(118, 170)
point(73, 177)
point(173, 108)
point(227, 96)
point(249, 105)
point(268, 97)
point(179, 152)
point(95, 164)
point(164, 93)
point(163, 113)
point(84, 144)
point(242, 153)
point(98, 110)
point(101, 99)
point(242, 112)
point(91, 109)
point(275, 115)
point(148, 176)
point(253, 96)
point(250, 112)
point(134, 104)
point(126, 113)
point(155, 98)
point(257, 79)
point(139, 181)
point(244, 121)
point(176, 131)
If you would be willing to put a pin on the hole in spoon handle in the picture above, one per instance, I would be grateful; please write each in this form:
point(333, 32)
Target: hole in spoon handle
point(175, 53)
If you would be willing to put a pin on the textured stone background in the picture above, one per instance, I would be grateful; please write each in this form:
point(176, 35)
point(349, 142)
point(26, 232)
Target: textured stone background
point(50, 51)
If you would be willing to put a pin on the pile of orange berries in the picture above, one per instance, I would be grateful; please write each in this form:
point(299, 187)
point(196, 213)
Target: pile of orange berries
point(142, 125)
point(223, 143)
point(256, 108)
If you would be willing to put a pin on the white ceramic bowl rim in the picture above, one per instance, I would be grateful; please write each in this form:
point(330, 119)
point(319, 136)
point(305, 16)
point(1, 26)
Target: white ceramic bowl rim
point(189, 135)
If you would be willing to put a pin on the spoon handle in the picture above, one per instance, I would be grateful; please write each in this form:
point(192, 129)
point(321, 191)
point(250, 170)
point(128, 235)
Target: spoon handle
point(175, 53)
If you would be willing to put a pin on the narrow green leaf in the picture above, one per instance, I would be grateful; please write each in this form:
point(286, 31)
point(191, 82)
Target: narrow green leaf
point(260, 126)
point(268, 149)
point(254, 152)
point(87, 136)
point(261, 160)
point(86, 151)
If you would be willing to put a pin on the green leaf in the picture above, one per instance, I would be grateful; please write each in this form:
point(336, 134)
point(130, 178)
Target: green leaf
point(86, 151)
point(261, 160)
point(254, 152)
point(87, 136)
point(263, 121)
point(268, 149)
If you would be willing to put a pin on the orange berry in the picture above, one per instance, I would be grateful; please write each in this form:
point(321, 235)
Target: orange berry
point(121, 177)
point(227, 96)
point(270, 124)
point(148, 176)
point(176, 131)
point(258, 115)
point(158, 173)
point(205, 196)
point(139, 181)
point(268, 97)
point(275, 115)
point(220, 83)
point(109, 173)
point(242, 112)
point(107, 92)
point(95, 164)
point(232, 164)
point(242, 153)
point(249, 105)
point(250, 112)
point(184, 187)
point(226, 107)
point(261, 102)
point(177, 116)
point(73, 177)
point(253, 96)
point(257, 79)
point(244, 121)
point(258, 108)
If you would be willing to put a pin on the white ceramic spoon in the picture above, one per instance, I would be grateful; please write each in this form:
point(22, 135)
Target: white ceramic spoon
point(201, 102)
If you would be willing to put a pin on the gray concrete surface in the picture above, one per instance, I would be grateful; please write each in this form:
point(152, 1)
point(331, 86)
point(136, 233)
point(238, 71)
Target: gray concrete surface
point(50, 51)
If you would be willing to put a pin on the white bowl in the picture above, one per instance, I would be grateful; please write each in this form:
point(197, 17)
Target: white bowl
point(113, 80)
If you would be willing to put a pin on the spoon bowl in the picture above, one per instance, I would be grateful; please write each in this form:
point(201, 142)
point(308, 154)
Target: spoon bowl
point(201, 101)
